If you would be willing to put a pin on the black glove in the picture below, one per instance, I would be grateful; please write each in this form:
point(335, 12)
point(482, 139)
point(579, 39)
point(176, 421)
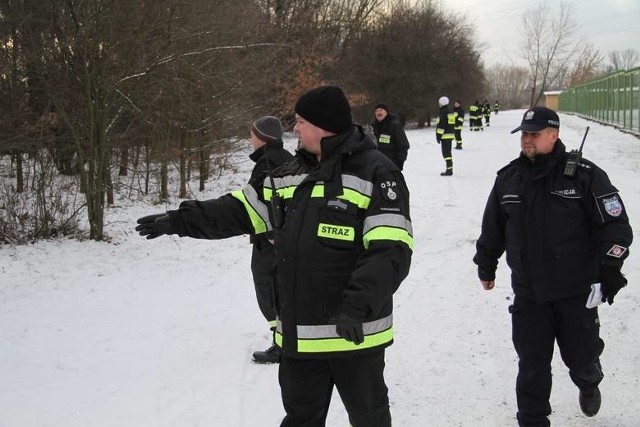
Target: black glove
point(611, 281)
point(154, 226)
point(486, 274)
point(350, 329)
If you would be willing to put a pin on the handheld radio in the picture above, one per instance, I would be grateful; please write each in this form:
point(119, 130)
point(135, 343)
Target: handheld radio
point(574, 158)
point(277, 206)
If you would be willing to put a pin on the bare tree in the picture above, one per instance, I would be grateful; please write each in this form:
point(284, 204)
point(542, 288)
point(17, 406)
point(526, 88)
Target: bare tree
point(624, 60)
point(508, 84)
point(548, 46)
point(412, 55)
point(587, 66)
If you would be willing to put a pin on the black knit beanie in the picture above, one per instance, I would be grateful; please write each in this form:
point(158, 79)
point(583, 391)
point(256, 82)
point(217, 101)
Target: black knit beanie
point(383, 106)
point(267, 129)
point(326, 107)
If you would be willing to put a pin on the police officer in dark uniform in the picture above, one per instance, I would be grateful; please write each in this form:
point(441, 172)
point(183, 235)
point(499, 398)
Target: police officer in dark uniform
point(445, 133)
point(339, 212)
point(562, 232)
point(392, 141)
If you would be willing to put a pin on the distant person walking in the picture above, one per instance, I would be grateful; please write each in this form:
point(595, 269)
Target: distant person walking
point(486, 109)
point(457, 108)
point(445, 133)
point(390, 135)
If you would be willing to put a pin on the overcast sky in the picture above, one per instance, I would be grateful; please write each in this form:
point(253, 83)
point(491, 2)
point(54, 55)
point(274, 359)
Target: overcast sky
point(610, 25)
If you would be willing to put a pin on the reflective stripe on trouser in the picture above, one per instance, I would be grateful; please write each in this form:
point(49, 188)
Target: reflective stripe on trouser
point(325, 339)
point(458, 134)
point(446, 153)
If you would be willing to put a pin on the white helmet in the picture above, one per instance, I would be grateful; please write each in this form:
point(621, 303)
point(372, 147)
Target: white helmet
point(443, 101)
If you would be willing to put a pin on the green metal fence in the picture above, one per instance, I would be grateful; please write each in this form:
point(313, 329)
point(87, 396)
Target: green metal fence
point(613, 99)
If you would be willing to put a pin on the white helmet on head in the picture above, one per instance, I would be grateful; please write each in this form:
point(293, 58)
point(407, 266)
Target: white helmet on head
point(443, 101)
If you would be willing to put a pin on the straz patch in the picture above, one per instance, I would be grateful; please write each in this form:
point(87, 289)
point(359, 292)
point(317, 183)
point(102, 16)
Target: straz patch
point(337, 232)
point(616, 251)
point(612, 205)
point(388, 190)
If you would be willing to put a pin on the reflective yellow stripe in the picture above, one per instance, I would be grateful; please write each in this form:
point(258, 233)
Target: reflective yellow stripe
point(348, 194)
point(328, 345)
point(259, 225)
point(356, 198)
point(388, 233)
point(384, 139)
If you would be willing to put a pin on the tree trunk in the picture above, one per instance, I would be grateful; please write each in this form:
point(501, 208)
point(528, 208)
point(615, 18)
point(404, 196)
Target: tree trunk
point(164, 177)
point(182, 193)
point(124, 162)
point(204, 167)
point(19, 173)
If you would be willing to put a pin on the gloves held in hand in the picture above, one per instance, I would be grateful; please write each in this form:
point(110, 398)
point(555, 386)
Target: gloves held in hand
point(154, 226)
point(350, 329)
point(611, 281)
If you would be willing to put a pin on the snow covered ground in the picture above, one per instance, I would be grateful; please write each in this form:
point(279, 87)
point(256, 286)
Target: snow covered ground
point(160, 333)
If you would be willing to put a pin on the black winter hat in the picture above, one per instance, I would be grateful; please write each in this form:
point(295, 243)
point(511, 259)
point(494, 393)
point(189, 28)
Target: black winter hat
point(267, 129)
point(326, 107)
point(383, 106)
point(538, 118)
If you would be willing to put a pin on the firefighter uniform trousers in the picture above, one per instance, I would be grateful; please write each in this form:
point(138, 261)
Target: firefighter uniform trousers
point(263, 261)
point(306, 381)
point(535, 329)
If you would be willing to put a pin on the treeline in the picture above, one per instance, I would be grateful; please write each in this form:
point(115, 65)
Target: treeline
point(95, 90)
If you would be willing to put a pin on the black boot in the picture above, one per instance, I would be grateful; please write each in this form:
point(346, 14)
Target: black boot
point(590, 403)
point(458, 147)
point(448, 172)
point(270, 355)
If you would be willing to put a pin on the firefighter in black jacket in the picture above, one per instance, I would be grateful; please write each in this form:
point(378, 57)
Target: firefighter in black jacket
point(392, 141)
point(269, 153)
point(486, 110)
point(445, 133)
point(339, 212)
point(561, 234)
point(457, 108)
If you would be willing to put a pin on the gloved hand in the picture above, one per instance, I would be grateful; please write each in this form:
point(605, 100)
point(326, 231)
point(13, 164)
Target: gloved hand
point(154, 226)
point(611, 281)
point(350, 329)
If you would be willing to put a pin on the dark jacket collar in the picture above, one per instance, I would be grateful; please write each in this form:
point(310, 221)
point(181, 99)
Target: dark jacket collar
point(334, 147)
point(257, 155)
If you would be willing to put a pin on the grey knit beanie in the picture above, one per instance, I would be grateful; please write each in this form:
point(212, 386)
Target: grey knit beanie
point(267, 129)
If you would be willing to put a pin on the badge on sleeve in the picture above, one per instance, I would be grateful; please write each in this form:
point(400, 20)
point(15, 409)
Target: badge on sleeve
point(616, 251)
point(612, 205)
point(388, 188)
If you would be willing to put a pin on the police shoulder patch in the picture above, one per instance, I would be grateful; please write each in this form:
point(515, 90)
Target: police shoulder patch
point(612, 205)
